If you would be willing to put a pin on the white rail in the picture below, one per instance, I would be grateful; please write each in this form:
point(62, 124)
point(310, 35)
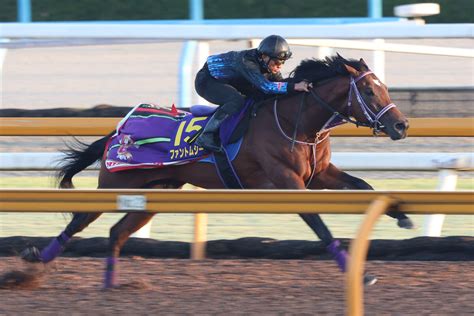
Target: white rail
point(233, 32)
point(387, 47)
point(354, 161)
point(327, 35)
point(447, 165)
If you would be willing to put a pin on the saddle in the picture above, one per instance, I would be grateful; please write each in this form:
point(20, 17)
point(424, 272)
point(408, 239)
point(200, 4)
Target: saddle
point(234, 127)
point(150, 136)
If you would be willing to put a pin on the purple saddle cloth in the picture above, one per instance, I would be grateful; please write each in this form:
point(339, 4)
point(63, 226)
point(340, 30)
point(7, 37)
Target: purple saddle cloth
point(150, 136)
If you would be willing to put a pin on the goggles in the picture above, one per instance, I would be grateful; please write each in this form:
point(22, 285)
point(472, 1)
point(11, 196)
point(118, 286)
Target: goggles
point(283, 55)
point(278, 62)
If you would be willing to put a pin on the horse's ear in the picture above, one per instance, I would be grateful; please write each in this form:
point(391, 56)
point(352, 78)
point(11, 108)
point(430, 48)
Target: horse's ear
point(351, 70)
point(364, 65)
point(340, 58)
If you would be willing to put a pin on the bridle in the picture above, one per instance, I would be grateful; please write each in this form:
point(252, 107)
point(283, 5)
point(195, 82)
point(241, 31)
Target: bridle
point(372, 118)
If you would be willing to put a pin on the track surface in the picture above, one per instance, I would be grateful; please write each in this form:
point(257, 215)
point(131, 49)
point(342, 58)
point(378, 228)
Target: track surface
point(251, 287)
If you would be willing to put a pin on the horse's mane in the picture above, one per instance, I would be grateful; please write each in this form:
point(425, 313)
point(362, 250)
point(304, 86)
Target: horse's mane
point(315, 70)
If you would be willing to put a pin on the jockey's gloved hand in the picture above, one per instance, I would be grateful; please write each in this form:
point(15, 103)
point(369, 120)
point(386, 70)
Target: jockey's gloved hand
point(303, 86)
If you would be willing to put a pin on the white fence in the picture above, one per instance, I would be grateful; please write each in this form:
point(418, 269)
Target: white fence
point(353, 161)
point(447, 165)
point(199, 31)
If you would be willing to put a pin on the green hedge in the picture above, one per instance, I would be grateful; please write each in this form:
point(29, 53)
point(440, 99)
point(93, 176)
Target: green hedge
point(452, 11)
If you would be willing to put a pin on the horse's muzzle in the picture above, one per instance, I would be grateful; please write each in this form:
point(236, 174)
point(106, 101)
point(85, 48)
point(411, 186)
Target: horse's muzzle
point(398, 130)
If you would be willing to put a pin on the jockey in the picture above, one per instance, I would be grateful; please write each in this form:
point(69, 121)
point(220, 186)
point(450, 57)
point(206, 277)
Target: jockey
point(227, 78)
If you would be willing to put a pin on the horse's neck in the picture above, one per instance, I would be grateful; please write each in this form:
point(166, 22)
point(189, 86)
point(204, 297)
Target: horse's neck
point(334, 94)
point(313, 116)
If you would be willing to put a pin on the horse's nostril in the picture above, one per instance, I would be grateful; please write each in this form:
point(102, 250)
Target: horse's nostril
point(402, 126)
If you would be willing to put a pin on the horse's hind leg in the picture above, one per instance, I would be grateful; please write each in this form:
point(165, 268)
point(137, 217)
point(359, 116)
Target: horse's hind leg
point(57, 245)
point(121, 231)
point(119, 234)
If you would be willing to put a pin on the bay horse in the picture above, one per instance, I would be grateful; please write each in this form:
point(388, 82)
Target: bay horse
point(268, 159)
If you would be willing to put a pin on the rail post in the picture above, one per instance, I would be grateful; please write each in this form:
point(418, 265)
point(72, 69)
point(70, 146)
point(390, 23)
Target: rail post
point(198, 248)
point(357, 254)
point(447, 181)
point(24, 11)
point(3, 56)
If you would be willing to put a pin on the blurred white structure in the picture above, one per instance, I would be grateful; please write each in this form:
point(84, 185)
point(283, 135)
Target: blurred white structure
point(417, 10)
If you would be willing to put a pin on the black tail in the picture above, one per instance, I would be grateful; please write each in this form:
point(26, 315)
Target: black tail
point(79, 156)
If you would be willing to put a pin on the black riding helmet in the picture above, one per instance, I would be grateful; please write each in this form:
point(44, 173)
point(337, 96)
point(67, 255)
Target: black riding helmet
point(275, 46)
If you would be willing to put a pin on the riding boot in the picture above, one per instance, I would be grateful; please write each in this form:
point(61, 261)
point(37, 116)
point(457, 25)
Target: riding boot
point(209, 139)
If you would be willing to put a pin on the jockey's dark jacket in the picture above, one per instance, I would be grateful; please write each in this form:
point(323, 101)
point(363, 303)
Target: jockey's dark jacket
point(247, 72)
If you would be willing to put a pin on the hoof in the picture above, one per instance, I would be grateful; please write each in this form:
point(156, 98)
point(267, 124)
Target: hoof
point(369, 280)
point(31, 254)
point(406, 223)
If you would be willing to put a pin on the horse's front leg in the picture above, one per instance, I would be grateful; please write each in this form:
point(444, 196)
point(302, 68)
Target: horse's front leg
point(335, 179)
point(290, 180)
point(315, 222)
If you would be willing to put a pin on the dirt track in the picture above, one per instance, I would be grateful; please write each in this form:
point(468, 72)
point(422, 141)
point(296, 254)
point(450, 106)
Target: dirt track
point(269, 287)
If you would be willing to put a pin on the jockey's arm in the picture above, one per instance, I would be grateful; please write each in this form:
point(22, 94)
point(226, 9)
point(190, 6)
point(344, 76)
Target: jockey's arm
point(303, 85)
point(251, 72)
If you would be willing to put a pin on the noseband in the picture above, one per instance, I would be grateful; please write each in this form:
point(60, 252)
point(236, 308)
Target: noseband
point(372, 118)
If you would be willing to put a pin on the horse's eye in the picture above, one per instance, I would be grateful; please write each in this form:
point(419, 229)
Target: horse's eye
point(369, 92)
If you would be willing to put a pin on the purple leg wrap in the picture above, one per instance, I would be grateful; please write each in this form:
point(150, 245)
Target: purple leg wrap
point(54, 248)
point(109, 280)
point(339, 255)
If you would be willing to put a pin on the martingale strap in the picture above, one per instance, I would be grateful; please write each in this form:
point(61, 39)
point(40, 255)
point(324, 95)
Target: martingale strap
point(293, 140)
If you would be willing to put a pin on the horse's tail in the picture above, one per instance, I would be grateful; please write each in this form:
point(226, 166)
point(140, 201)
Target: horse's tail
point(79, 156)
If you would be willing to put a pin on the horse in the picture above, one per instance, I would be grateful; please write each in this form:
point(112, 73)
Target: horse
point(281, 149)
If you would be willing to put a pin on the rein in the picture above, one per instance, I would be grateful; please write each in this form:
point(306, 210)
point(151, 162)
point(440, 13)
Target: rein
point(298, 116)
point(293, 140)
